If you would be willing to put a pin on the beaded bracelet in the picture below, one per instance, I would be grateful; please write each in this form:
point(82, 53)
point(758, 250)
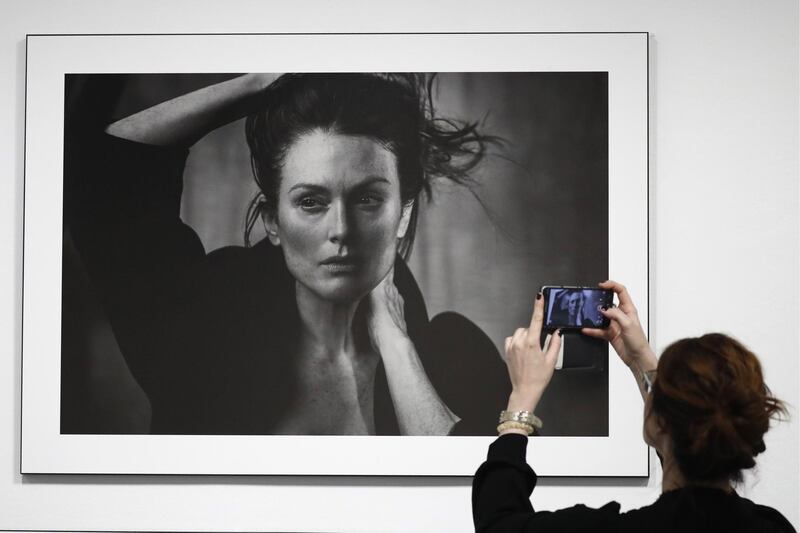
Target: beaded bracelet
point(510, 424)
point(525, 417)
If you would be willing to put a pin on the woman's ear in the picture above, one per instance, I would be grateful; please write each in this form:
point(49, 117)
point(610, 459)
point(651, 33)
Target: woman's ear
point(405, 218)
point(271, 227)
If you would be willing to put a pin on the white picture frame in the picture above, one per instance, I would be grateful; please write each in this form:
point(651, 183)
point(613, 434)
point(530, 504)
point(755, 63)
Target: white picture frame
point(49, 57)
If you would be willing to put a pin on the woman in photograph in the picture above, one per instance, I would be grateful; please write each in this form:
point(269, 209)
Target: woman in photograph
point(706, 410)
point(570, 307)
point(319, 328)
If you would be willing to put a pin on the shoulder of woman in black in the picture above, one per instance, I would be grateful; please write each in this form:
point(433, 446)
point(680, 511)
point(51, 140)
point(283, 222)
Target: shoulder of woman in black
point(695, 508)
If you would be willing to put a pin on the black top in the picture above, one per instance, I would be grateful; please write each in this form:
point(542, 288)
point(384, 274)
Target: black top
point(503, 485)
point(207, 335)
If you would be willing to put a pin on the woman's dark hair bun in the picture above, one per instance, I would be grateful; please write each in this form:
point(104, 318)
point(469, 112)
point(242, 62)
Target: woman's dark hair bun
point(711, 399)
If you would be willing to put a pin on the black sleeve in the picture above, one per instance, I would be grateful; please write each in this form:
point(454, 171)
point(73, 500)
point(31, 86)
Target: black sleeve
point(122, 212)
point(501, 491)
point(502, 487)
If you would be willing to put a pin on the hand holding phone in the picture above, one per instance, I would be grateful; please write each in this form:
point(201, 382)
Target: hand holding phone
point(625, 334)
point(530, 368)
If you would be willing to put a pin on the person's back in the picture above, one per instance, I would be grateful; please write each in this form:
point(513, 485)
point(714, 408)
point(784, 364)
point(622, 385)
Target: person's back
point(706, 412)
point(703, 509)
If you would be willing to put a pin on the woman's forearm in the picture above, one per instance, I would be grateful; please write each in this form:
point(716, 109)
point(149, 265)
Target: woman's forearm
point(184, 120)
point(419, 409)
point(645, 362)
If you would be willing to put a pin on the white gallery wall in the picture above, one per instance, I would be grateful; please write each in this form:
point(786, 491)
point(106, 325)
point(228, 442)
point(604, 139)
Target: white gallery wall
point(724, 244)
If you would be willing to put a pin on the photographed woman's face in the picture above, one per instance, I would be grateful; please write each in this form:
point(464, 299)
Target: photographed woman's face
point(339, 214)
point(574, 304)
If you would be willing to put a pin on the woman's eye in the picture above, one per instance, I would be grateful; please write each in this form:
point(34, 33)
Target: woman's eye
point(369, 200)
point(310, 203)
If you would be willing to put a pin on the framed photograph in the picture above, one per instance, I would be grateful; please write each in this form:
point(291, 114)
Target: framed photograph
point(300, 254)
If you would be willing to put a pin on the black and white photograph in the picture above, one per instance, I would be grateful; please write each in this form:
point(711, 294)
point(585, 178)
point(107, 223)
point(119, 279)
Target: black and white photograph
point(308, 263)
point(325, 253)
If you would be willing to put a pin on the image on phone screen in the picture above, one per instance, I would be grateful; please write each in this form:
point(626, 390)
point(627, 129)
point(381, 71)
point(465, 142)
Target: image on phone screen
point(576, 307)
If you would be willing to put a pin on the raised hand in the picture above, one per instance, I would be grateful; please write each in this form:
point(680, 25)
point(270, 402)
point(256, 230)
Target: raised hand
point(626, 335)
point(625, 332)
point(529, 368)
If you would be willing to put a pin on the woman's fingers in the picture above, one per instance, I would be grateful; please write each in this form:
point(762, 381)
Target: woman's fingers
point(519, 337)
point(389, 277)
point(615, 313)
point(535, 329)
point(382, 290)
point(621, 292)
point(515, 341)
point(598, 333)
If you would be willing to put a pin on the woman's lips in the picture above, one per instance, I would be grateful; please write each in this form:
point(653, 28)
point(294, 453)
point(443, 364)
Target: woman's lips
point(339, 264)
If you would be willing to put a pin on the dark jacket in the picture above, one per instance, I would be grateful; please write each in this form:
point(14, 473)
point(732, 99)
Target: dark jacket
point(503, 485)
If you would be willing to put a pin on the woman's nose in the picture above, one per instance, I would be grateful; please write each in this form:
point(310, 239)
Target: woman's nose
point(338, 227)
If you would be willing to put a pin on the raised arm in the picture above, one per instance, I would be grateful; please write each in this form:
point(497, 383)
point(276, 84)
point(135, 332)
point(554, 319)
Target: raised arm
point(122, 201)
point(184, 120)
point(419, 408)
point(503, 484)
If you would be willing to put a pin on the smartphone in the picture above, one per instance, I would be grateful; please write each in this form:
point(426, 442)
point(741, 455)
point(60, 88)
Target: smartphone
point(575, 307)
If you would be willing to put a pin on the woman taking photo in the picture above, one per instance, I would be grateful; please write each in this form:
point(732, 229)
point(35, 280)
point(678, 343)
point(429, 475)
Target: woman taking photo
point(706, 409)
point(318, 328)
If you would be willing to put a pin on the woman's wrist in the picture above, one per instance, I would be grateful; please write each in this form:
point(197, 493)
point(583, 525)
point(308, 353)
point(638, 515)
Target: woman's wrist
point(513, 430)
point(643, 360)
point(390, 339)
point(523, 421)
point(524, 400)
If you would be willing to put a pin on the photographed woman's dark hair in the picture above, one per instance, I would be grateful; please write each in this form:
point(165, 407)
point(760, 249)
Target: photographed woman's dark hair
point(395, 110)
point(710, 397)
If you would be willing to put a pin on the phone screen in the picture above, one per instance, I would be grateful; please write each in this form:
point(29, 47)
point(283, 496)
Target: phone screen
point(576, 307)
